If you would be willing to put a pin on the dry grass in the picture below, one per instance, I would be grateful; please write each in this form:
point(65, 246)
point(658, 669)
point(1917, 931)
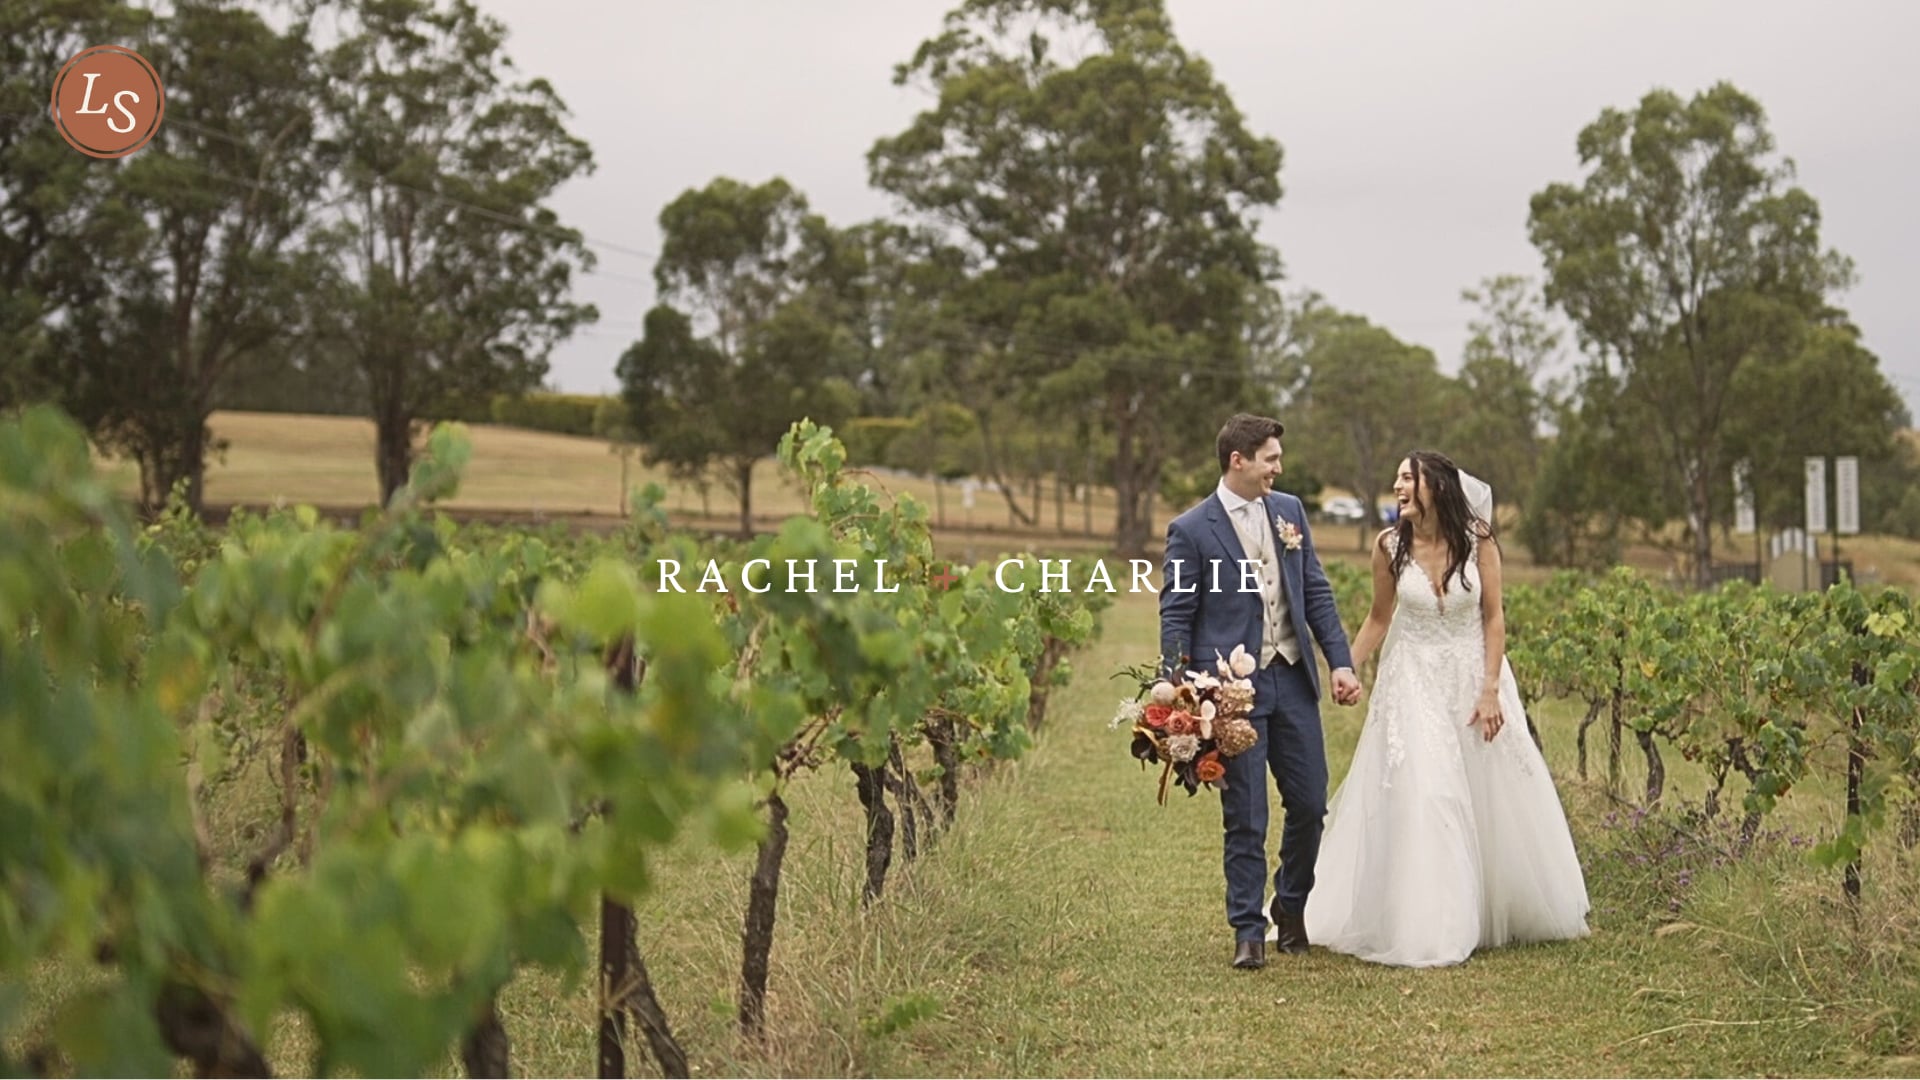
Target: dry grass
point(328, 461)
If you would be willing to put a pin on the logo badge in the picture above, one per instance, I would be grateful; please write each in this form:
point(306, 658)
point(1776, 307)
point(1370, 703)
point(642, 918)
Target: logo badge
point(107, 101)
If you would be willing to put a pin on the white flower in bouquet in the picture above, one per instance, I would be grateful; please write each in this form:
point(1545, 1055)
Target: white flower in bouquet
point(1129, 714)
point(1162, 693)
point(1200, 680)
point(1183, 747)
point(1241, 662)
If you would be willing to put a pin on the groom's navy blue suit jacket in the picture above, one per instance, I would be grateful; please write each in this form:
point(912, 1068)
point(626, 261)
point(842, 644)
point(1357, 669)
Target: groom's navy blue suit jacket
point(1197, 623)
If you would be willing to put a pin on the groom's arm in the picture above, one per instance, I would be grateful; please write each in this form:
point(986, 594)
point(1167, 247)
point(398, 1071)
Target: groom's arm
point(1179, 611)
point(1323, 615)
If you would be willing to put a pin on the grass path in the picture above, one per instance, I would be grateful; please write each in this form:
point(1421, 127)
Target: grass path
point(1068, 926)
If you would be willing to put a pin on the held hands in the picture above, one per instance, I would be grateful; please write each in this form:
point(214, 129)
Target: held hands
point(1346, 687)
point(1486, 715)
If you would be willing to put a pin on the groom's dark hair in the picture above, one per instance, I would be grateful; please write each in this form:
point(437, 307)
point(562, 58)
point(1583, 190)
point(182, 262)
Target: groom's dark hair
point(1245, 433)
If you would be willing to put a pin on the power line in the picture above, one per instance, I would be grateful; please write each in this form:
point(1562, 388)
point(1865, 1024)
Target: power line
point(595, 271)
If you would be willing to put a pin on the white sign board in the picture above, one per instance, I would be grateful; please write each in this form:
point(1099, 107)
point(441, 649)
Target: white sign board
point(1742, 500)
point(1846, 495)
point(1816, 494)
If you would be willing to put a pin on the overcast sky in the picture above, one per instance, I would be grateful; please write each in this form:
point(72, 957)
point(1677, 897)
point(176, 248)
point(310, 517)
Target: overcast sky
point(1414, 132)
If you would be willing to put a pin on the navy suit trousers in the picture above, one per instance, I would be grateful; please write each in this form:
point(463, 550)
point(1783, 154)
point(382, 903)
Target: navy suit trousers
point(1286, 713)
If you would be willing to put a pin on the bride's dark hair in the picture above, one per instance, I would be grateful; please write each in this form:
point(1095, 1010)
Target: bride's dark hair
point(1435, 475)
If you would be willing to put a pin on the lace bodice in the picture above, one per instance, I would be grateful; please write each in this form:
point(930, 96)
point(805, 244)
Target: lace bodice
point(1432, 662)
point(1424, 619)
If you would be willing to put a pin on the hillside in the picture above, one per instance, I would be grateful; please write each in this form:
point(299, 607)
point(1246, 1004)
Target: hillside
point(527, 475)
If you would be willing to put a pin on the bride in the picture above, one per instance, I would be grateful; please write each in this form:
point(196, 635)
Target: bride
point(1447, 834)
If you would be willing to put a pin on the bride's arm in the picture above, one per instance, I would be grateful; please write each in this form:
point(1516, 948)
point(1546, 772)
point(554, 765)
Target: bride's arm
point(1493, 619)
point(1381, 613)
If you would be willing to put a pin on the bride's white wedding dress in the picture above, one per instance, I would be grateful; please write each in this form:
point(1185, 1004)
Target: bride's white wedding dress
point(1438, 841)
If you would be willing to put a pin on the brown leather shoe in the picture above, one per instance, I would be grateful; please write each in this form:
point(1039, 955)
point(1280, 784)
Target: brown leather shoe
point(1250, 954)
point(1293, 934)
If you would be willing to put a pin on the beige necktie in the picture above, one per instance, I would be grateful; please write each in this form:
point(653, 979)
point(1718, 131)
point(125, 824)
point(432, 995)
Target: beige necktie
point(1257, 536)
point(1250, 531)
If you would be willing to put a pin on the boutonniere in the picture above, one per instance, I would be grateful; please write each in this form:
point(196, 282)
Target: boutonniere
point(1289, 532)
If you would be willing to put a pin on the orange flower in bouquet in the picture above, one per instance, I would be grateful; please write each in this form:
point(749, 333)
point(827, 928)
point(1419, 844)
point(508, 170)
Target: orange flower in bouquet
point(1190, 727)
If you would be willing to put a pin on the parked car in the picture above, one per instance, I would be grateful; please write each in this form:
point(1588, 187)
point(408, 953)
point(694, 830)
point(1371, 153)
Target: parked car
point(1344, 508)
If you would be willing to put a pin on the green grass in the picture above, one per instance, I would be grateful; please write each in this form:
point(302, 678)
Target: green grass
point(1069, 926)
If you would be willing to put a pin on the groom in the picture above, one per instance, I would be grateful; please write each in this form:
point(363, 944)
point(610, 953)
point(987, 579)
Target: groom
point(1206, 611)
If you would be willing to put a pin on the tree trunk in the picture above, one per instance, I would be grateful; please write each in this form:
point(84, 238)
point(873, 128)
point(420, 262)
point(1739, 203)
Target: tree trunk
point(1086, 502)
point(200, 1029)
point(1052, 651)
point(393, 450)
point(1580, 738)
point(1710, 807)
point(1129, 534)
point(906, 794)
point(756, 936)
point(743, 482)
point(174, 449)
point(1132, 466)
point(626, 990)
point(623, 508)
point(879, 830)
point(1656, 769)
point(644, 1005)
point(1613, 744)
point(941, 737)
point(1059, 501)
point(193, 463)
point(486, 1051)
point(1700, 506)
point(616, 932)
point(990, 466)
point(1856, 773)
point(1750, 823)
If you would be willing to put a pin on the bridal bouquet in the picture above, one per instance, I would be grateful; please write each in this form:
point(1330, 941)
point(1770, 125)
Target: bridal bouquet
point(1191, 727)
